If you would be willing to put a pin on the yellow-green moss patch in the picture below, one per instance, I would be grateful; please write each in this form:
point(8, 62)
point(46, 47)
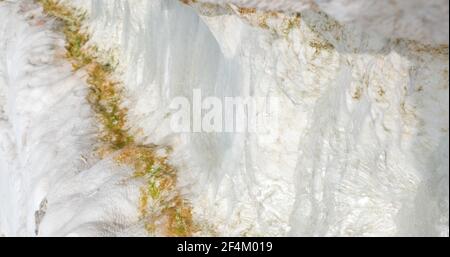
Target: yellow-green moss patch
point(161, 205)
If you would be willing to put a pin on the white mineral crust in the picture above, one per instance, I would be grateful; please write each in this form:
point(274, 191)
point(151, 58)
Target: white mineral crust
point(362, 147)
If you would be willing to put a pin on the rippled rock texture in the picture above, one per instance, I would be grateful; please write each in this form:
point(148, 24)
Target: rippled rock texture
point(362, 143)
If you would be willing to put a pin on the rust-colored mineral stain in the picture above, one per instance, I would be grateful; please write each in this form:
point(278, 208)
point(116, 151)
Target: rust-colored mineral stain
point(161, 205)
point(246, 11)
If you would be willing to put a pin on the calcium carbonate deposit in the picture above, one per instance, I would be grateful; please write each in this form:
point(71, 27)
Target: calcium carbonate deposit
point(359, 145)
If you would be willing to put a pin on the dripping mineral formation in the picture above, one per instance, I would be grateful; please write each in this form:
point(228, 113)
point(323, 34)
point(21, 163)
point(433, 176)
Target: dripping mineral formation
point(358, 144)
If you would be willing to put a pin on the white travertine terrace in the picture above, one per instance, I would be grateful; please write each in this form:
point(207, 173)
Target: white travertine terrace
point(424, 21)
point(362, 149)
